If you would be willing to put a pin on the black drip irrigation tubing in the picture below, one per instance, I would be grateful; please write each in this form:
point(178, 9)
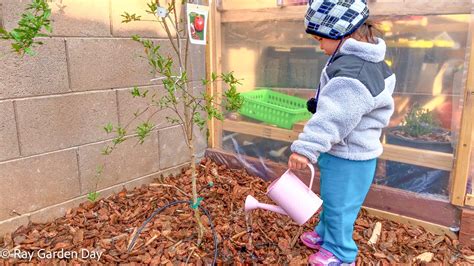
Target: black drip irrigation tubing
point(157, 211)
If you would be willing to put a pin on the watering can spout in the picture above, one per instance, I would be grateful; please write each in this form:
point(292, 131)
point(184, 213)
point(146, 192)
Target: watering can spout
point(252, 203)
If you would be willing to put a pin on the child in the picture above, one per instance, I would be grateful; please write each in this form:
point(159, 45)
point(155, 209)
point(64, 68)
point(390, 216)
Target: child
point(352, 105)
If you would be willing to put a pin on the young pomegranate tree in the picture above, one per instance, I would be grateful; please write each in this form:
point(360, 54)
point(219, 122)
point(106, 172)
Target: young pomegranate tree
point(191, 108)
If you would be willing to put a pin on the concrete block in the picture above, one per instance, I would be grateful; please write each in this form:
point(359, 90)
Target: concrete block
point(173, 148)
point(53, 212)
point(146, 180)
point(129, 106)
point(142, 28)
point(69, 17)
point(38, 182)
point(58, 122)
point(106, 192)
point(197, 59)
point(11, 12)
point(9, 226)
point(128, 161)
point(8, 141)
point(109, 63)
point(1, 14)
point(200, 142)
point(44, 73)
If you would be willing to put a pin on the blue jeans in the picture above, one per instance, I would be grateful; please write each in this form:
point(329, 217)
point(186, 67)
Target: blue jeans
point(344, 186)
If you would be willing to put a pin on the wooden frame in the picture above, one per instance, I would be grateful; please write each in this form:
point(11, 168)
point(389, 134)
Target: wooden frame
point(213, 64)
point(385, 200)
point(248, 11)
point(431, 227)
point(469, 200)
point(464, 149)
point(466, 235)
point(431, 159)
point(251, 12)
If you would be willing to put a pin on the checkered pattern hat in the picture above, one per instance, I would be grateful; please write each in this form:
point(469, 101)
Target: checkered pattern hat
point(335, 19)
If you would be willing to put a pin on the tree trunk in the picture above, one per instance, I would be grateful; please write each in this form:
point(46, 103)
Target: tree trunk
point(197, 215)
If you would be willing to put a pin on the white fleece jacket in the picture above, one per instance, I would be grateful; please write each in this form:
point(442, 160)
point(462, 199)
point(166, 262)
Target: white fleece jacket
point(355, 103)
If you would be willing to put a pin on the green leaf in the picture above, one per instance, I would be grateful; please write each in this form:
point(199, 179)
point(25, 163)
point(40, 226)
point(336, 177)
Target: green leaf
point(121, 131)
point(130, 17)
point(48, 28)
point(199, 120)
point(136, 37)
point(47, 13)
point(93, 196)
point(172, 120)
point(3, 31)
point(109, 128)
point(106, 151)
point(17, 47)
point(30, 52)
point(153, 6)
point(118, 140)
point(15, 34)
point(143, 131)
point(136, 92)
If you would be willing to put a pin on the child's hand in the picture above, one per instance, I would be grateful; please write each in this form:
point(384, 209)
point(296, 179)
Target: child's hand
point(297, 162)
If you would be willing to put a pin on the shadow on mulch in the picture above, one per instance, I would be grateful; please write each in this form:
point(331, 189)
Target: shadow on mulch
point(107, 227)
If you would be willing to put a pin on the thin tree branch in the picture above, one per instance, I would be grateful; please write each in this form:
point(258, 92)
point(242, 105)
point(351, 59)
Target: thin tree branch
point(187, 50)
point(170, 37)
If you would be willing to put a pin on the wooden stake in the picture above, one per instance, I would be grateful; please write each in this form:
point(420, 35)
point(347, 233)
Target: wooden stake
point(463, 152)
point(213, 64)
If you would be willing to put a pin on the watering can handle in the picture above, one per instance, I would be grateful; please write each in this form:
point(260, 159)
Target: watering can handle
point(311, 167)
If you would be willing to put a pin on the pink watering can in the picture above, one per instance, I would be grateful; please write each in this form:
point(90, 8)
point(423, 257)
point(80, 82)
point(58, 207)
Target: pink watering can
point(293, 197)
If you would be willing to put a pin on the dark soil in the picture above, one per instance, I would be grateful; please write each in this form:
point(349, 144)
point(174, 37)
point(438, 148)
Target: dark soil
point(442, 136)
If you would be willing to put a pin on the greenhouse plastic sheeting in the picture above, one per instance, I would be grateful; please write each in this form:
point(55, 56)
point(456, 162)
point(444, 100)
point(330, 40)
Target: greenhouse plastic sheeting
point(427, 53)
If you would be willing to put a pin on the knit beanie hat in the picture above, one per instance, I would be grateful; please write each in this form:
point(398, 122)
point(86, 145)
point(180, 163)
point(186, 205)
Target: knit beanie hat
point(335, 19)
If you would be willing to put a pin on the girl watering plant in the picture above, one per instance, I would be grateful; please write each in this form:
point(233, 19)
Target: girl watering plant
point(352, 105)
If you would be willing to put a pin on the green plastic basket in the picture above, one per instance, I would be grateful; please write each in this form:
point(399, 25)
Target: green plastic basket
point(274, 108)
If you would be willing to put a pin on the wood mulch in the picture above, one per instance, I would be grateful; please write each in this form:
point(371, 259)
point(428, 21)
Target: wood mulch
point(108, 225)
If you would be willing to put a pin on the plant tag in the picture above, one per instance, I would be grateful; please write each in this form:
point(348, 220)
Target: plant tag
point(197, 23)
point(161, 12)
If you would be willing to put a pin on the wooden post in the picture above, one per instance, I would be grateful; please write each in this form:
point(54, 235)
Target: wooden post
point(463, 152)
point(210, 52)
point(213, 64)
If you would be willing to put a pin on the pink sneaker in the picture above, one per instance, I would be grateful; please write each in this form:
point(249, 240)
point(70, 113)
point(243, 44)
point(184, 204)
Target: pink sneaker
point(311, 240)
point(326, 258)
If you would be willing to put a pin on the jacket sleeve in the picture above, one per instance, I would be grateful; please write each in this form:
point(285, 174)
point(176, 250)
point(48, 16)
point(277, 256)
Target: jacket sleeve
point(342, 103)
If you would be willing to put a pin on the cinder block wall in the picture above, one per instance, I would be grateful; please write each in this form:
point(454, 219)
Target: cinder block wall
point(54, 105)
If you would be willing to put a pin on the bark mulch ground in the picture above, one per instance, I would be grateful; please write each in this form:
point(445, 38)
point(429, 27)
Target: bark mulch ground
point(109, 224)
